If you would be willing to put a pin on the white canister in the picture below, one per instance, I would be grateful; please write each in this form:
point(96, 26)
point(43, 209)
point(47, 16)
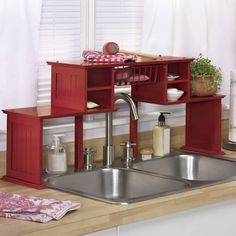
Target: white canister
point(56, 156)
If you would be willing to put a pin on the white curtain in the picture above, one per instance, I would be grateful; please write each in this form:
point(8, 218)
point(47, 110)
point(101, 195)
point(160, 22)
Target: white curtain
point(19, 37)
point(190, 27)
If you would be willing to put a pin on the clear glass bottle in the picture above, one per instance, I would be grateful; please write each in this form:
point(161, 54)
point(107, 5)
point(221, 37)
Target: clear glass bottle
point(56, 162)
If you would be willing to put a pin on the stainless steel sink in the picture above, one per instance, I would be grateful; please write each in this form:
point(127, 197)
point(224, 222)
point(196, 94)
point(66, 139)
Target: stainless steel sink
point(191, 167)
point(147, 179)
point(116, 185)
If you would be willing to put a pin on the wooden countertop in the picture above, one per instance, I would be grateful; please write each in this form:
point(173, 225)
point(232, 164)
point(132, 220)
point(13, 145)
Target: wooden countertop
point(94, 215)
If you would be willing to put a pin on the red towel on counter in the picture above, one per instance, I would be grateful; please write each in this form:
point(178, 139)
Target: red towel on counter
point(34, 208)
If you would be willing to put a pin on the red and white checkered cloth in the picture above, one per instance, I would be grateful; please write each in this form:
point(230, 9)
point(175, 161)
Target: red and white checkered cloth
point(96, 56)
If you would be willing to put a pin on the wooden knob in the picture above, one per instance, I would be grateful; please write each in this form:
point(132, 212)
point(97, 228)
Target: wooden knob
point(110, 48)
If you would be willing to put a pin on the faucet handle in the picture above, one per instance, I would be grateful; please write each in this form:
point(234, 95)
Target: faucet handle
point(128, 153)
point(128, 144)
point(88, 158)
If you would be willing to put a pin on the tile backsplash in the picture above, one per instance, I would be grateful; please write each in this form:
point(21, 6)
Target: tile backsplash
point(145, 140)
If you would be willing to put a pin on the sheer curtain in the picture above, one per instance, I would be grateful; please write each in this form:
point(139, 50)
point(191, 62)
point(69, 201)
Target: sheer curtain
point(190, 27)
point(19, 34)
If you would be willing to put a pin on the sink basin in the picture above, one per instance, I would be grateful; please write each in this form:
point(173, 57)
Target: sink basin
point(191, 167)
point(116, 185)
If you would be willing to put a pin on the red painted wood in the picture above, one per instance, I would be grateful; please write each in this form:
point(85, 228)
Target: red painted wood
point(76, 82)
point(100, 109)
point(178, 81)
point(203, 99)
point(24, 143)
point(157, 92)
point(139, 62)
point(73, 87)
point(203, 125)
point(134, 135)
point(90, 89)
point(43, 112)
point(24, 149)
point(102, 98)
point(203, 151)
point(22, 182)
point(99, 77)
point(68, 87)
point(154, 92)
point(79, 159)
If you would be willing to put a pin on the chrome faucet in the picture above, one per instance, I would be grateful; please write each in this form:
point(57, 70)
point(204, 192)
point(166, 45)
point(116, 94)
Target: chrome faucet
point(108, 149)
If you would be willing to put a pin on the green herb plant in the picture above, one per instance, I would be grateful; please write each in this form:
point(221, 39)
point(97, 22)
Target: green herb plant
point(202, 67)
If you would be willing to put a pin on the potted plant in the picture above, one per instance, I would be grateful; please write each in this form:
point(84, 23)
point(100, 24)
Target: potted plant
point(205, 77)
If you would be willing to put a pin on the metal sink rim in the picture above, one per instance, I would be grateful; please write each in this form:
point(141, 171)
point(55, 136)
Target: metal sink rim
point(192, 183)
point(126, 201)
point(189, 184)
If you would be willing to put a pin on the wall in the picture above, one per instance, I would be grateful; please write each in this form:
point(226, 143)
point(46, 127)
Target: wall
point(145, 140)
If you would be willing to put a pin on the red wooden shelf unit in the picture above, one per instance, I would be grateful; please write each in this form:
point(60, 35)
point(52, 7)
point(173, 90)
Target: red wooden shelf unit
point(74, 83)
point(24, 142)
point(203, 125)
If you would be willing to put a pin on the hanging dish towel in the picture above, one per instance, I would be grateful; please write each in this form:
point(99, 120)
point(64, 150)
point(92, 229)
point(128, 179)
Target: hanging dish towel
point(34, 208)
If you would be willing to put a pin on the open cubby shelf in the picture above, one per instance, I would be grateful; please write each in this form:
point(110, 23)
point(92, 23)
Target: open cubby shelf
point(99, 88)
point(99, 110)
point(178, 81)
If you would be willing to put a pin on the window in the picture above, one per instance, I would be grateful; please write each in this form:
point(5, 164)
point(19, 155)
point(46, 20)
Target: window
point(70, 26)
point(59, 39)
point(119, 21)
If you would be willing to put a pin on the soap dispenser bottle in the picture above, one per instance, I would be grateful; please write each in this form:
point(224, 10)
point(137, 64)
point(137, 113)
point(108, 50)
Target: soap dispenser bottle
point(161, 137)
point(56, 156)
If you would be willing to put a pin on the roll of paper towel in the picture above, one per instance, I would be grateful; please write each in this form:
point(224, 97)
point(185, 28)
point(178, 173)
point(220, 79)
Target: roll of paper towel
point(232, 113)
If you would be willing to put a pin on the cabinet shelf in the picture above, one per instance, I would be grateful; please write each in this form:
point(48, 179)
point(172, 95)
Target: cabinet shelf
point(97, 88)
point(178, 81)
point(157, 91)
point(137, 75)
point(207, 98)
point(175, 102)
point(99, 109)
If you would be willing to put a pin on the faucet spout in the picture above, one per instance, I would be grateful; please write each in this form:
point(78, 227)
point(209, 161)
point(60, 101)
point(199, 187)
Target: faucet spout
point(130, 102)
point(108, 149)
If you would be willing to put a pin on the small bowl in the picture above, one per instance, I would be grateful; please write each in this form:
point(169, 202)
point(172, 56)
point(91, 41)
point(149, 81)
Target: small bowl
point(172, 90)
point(174, 95)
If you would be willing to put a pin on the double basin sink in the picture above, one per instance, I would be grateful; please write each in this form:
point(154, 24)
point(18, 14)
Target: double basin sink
point(147, 179)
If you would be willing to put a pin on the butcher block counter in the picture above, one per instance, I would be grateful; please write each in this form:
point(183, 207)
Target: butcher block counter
point(95, 215)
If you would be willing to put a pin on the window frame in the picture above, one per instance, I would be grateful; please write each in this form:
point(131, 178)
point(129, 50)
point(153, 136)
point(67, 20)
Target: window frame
point(94, 125)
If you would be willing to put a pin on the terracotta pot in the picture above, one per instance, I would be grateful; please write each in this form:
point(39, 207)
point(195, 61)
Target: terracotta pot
point(203, 86)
